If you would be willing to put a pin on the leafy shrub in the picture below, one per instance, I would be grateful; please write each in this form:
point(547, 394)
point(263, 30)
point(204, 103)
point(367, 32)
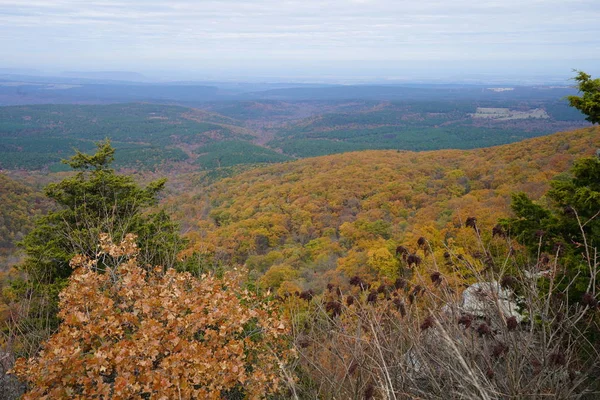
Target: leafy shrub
point(130, 332)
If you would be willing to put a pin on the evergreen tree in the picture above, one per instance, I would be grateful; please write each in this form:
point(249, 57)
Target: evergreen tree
point(95, 200)
point(589, 102)
point(568, 228)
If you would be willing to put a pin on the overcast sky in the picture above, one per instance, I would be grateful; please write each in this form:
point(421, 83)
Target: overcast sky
point(279, 37)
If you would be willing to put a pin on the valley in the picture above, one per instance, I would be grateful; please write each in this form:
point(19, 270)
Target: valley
point(273, 125)
point(302, 219)
point(299, 200)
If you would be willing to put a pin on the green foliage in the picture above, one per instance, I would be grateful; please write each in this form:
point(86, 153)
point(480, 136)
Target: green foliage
point(417, 138)
point(589, 102)
point(94, 201)
point(148, 136)
point(569, 227)
point(531, 217)
point(145, 135)
point(562, 111)
point(420, 125)
point(312, 147)
point(233, 152)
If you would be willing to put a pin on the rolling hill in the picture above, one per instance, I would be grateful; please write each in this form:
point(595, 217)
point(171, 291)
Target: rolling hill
point(424, 125)
point(303, 223)
point(169, 137)
point(146, 136)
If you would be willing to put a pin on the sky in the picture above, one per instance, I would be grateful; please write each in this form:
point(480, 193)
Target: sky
point(387, 39)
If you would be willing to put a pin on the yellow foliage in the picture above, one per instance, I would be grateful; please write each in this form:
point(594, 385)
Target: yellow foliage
point(276, 275)
point(382, 260)
point(341, 206)
point(353, 264)
point(288, 288)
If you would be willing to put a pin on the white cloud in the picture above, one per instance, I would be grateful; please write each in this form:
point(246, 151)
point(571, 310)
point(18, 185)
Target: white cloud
point(189, 32)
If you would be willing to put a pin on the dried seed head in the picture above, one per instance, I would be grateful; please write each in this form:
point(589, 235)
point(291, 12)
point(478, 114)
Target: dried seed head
point(418, 290)
point(401, 250)
point(350, 300)
point(372, 297)
point(488, 261)
point(307, 295)
point(471, 222)
point(427, 323)
point(400, 283)
point(369, 392)
point(484, 329)
point(589, 300)
point(498, 230)
point(413, 259)
point(569, 211)
point(465, 320)
point(540, 233)
point(499, 350)
point(558, 248)
point(508, 281)
point(335, 307)
point(557, 359)
point(511, 323)
point(357, 281)
point(436, 278)
point(400, 306)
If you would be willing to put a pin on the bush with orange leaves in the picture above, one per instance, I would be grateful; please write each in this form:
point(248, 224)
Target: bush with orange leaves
point(132, 333)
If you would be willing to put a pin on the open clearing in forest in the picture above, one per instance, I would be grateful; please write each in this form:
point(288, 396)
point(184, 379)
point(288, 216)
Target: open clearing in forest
point(505, 114)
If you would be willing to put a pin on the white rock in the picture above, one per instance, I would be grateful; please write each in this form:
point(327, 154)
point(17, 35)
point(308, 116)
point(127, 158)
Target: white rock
point(489, 298)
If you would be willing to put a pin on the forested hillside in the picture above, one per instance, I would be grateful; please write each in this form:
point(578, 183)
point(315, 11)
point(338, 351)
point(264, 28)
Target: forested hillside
point(299, 200)
point(20, 204)
point(304, 223)
point(146, 136)
point(296, 273)
point(175, 138)
point(289, 277)
point(425, 125)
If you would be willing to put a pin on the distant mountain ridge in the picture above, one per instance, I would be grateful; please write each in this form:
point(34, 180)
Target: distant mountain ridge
point(116, 86)
point(126, 76)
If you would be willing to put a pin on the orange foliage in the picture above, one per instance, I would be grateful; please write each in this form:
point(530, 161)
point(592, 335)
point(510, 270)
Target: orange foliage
point(132, 333)
point(355, 203)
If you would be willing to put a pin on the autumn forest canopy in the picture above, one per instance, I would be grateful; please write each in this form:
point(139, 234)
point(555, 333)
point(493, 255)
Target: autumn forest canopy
point(335, 242)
